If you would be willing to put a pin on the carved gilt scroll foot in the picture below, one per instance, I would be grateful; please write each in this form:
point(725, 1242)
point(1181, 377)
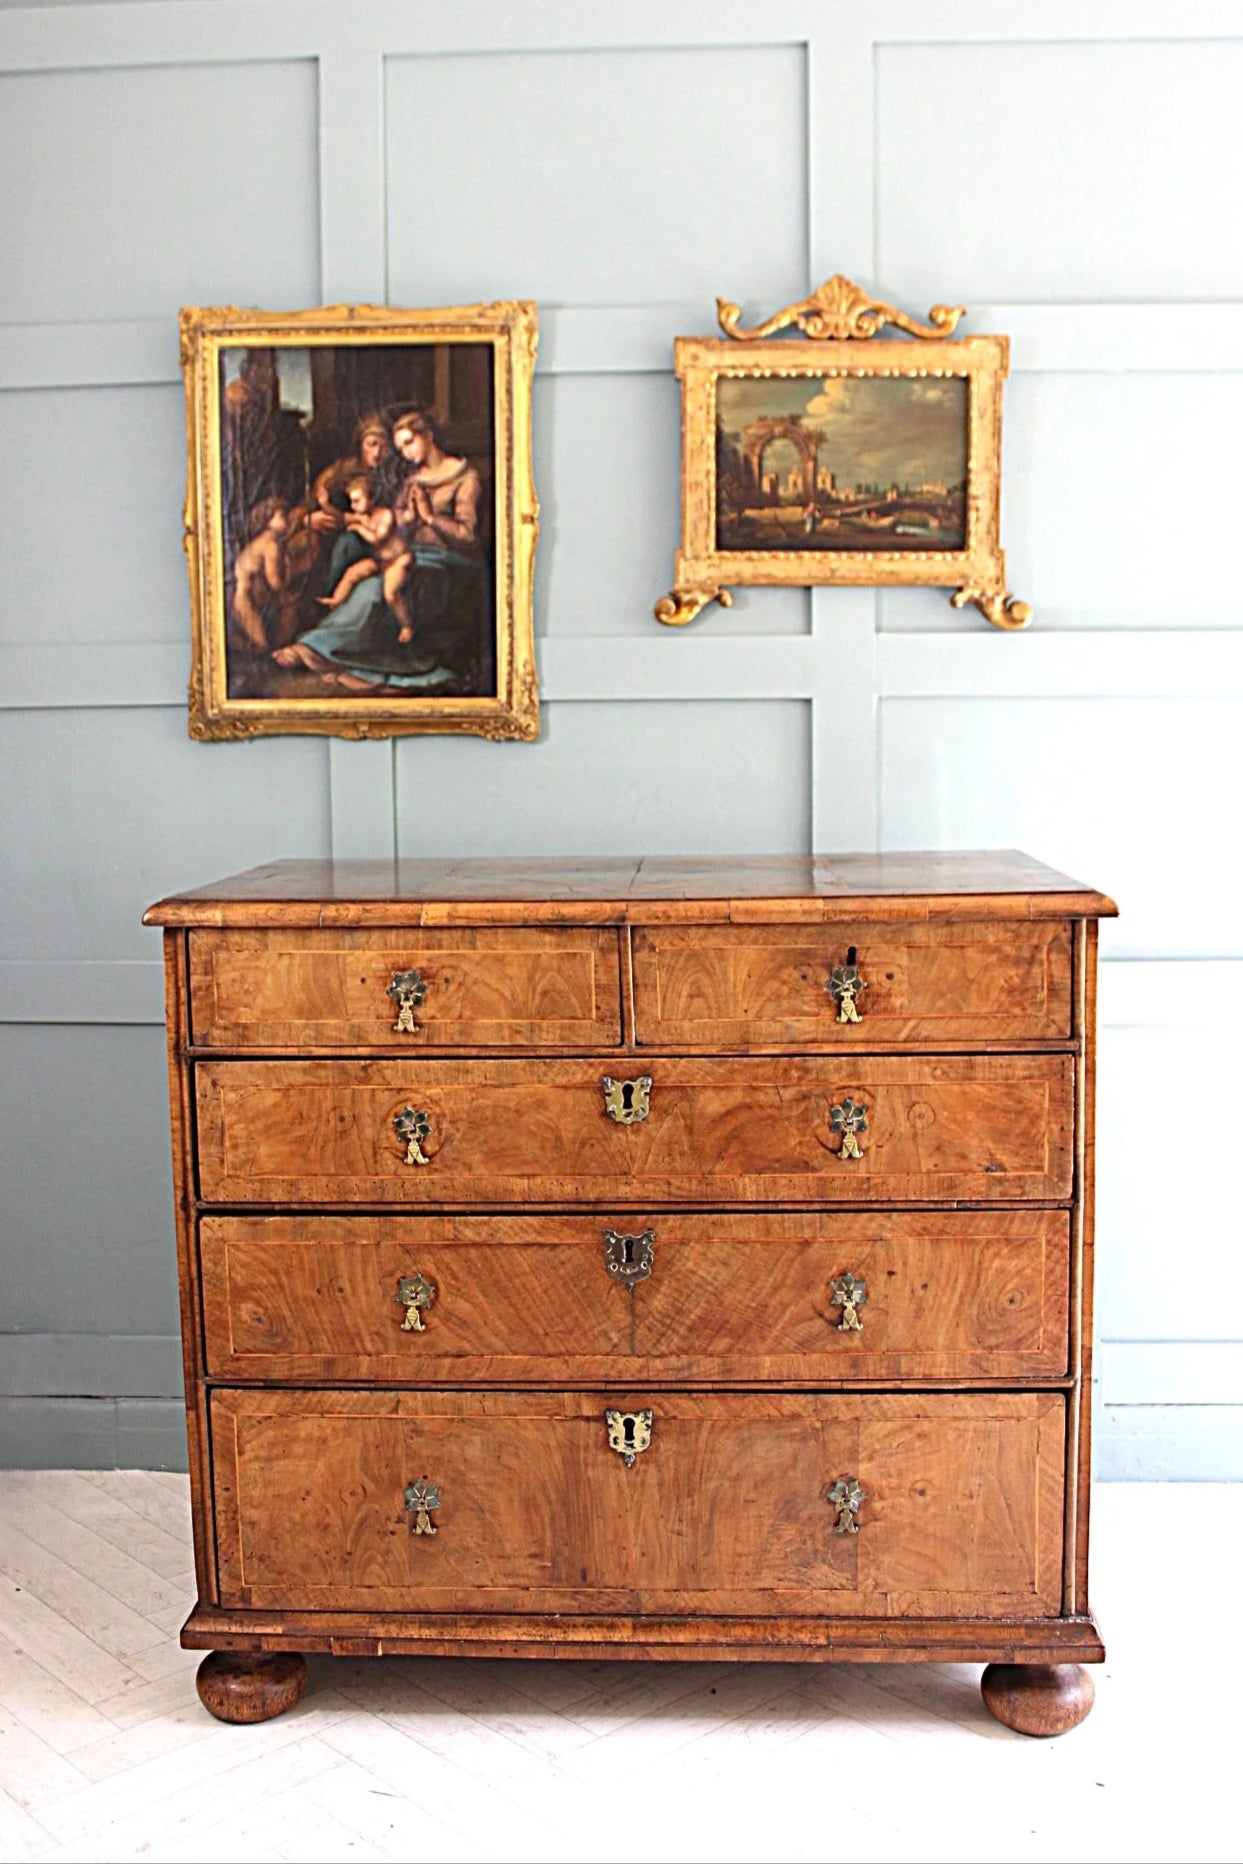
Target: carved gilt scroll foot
point(1038, 1698)
point(682, 605)
point(997, 606)
point(250, 1686)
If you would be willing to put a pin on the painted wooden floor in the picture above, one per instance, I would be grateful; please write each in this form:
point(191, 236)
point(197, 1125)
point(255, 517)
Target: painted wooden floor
point(105, 1753)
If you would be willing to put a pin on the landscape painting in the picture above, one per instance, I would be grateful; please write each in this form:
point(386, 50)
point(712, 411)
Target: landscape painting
point(841, 462)
point(361, 522)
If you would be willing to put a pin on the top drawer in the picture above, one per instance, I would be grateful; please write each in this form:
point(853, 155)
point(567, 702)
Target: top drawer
point(500, 987)
point(808, 987)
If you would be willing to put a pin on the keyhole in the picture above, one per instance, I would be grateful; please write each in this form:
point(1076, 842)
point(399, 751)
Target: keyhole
point(850, 955)
point(628, 1251)
point(627, 1095)
point(628, 1431)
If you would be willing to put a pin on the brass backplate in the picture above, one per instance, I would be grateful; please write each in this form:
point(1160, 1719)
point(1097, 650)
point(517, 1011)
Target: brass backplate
point(845, 1498)
point(849, 1118)
point(422, 1500)
point(407, 991)
point(850, 1293)
point(630, 1432)
point(629, 1258)
point(414, 1292)
point(627, 1102)
point(413, 1126)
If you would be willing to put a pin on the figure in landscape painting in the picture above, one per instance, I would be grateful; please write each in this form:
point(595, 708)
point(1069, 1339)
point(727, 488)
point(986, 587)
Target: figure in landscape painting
point(847, 462)
point(358, 542)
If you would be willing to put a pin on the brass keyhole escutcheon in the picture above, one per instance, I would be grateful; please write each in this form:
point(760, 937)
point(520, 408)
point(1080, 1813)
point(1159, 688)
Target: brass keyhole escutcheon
point(849, 1118)
point(630, 1432)
point(414, 1292)
point(629, 1258)
point(407, 991)
point(422, 1500)
point(843, 984)
point(844, 1499)
point(627, 1102)
point(412, 1126)
point(849, 1293)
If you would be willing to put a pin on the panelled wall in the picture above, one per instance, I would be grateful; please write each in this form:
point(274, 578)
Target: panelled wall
point(1068, 172)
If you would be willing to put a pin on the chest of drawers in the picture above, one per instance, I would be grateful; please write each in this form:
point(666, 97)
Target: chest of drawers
point(638, 1259)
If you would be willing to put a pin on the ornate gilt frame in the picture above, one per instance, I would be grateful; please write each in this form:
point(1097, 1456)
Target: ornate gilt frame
point(840, 319)
point(511, 328)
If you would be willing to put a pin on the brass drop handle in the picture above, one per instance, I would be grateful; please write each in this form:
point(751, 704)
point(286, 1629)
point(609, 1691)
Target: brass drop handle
point(849, 1118)
point(630, 1432)
point(844, 1499)
point(627, 1102)
point(850, 1294)
point(414, 1292)
point(843, 984)
point(422, 1501)
point(407, 991)
point(412, 1127)
point(628, 1259)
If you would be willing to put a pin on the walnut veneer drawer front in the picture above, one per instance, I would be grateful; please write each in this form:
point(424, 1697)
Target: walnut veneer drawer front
point(638, 1258)
point(524, 1505)
point(713, 1298)
point(501, 987)
point(866, 985)
point(870, 1129)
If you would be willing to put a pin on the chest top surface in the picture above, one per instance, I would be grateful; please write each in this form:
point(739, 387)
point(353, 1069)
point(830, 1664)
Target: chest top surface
point(994, 883)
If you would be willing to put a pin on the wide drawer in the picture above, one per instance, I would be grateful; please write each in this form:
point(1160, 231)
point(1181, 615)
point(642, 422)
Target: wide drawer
point(822, 1298)
point(800, 986)
point(728, 1508)
point(934, 1128)
point(500, 987)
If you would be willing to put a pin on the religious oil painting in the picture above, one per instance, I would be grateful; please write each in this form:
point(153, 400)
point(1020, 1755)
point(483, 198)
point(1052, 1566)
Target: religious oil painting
point(361, 521)
point(841, 459)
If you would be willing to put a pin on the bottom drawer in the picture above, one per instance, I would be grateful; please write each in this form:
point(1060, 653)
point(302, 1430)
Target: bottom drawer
point(727, 1509)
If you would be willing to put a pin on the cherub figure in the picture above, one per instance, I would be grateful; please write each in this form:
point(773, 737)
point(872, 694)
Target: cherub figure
point(260, 571)
point(377, 525)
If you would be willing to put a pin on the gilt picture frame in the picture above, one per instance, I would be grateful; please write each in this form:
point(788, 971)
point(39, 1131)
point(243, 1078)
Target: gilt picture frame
point(361, 520)
point(841, 460)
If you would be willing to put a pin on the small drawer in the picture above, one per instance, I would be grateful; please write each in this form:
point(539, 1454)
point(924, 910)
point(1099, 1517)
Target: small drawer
point(819, 1297)
point(865, 985)
point(866, 1129)
point(500, 987)
point(928, 1505)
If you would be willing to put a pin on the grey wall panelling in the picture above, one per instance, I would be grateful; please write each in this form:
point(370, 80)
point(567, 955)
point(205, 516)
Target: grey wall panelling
point(833, 719)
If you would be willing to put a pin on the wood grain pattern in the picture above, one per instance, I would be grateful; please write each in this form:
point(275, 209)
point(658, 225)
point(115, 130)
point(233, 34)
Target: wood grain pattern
point(250, 1686)
point(1038, 1699)
point(989, 884)
point(982, 1129)
point(189, 1289)
point(962, 1509)
point(745, 986)
point(1083, 1274)
point(298, 1215)
point(962, 1295)
point(619, 1637)
point(499, 988)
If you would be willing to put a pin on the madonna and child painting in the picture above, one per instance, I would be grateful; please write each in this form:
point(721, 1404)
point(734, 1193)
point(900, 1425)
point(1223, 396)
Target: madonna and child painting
point(353, 525)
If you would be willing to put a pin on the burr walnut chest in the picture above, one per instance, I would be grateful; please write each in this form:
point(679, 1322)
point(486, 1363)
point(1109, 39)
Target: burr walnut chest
point(638, 1259)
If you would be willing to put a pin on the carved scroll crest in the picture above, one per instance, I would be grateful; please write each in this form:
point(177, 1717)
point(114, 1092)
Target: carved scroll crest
point(840, 309)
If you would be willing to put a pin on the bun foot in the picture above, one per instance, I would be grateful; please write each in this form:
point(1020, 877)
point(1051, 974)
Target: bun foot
point(1038, 1698)
point(250, 1686)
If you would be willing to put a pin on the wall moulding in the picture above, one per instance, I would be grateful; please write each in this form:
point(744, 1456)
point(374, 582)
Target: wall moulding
point(1050, 339)
point(1114, 663)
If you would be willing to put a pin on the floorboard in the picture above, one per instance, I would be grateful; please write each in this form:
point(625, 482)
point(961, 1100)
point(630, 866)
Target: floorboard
point(107, 1756)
